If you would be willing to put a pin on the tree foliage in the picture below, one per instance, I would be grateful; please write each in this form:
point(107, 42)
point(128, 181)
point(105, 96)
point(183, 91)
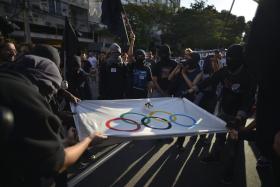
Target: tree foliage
point(200, 27)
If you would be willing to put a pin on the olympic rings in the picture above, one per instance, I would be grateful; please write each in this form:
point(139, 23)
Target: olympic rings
point(171, 118)
point(138, 126)
point(147, 119)
point(162, 119)
point(134, 113)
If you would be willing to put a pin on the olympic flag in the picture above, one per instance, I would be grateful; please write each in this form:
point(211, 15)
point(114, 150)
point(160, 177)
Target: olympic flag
point(144, 118)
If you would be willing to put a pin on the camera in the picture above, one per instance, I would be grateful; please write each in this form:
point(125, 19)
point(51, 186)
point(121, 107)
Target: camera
point(184, 62)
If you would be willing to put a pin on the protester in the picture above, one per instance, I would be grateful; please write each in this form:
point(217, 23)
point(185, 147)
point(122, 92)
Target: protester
point(113, 74)
point(207, 98)
point(262, 55)
point(216, 60)
point(139, 78)
point(150, 59)
point(8, 52)
point(125, 58)
point(36, 136)
point(92, 60)
point(237, 99)
point(59, 102)
point(187, 53)
point(78, 79)
point(161, 71)
point(184, 77)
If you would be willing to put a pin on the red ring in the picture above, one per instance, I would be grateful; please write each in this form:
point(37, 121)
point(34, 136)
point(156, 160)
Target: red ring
point(123, 119)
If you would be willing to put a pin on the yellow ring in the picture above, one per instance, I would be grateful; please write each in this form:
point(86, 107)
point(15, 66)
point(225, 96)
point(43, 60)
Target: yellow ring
point(159, 111)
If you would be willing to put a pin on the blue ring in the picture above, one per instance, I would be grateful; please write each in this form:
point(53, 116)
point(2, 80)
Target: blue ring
point(171, 118)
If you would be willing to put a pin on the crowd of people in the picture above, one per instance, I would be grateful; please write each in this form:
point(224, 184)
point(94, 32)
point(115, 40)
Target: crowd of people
point(37, 124)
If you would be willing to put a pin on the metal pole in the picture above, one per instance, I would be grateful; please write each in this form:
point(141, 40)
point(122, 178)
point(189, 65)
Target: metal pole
point(226, 22)
point(27, 34)
point(76, 180)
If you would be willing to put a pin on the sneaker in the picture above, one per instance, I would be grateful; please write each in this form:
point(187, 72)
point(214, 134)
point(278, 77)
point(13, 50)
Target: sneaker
point(210, 159)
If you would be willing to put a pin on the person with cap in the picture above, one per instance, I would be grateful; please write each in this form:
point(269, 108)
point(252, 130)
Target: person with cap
point(161, 71)
point(113, 74)
point(35, 152)
point(237, 99)
point(139, 78)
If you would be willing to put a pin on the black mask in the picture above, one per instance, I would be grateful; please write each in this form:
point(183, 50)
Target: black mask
point(164, 52)
point(140, 56)
point(234, 57)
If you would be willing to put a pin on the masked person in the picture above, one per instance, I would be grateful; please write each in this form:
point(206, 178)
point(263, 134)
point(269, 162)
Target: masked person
point(29, 85)
point(139, 76)
point(161, 72)
point(113, 74)
point(262, 53)
point(78, 79)
point(236, 101)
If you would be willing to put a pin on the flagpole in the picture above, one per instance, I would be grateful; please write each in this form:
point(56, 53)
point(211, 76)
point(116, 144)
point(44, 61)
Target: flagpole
point(125, 22)
point(126, 18)
point(226, 22)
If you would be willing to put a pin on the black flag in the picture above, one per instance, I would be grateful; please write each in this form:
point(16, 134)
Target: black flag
point(69, 46)
point(112, 16)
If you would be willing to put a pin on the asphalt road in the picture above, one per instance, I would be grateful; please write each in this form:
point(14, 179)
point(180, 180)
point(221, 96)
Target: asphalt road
point(159, 163)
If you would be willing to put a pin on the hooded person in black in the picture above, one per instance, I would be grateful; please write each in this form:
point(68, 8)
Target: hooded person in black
point(262, 55)
point(51, 53)
point(113, 74)
point(139, 76)
point(41, 71)
point(36, 135)
point(161, 72)
point(78, 79)
point(47, 51)
point(237, 99)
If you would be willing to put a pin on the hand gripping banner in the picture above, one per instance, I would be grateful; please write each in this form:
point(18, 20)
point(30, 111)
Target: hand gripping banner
point(144, 118)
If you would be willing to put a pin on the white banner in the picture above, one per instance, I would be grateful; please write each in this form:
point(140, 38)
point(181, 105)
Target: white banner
point(144, 118)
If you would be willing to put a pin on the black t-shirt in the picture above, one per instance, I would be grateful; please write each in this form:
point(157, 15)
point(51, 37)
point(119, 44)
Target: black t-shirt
point(138, 77)
point(78, 84)
point(238, 90)
point(181, 86)
point(113, 80)
point(35, 148)
point(162, 70)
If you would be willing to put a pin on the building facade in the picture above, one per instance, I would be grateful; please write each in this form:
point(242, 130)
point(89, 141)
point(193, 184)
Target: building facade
point(46, 19)
point(175, 3)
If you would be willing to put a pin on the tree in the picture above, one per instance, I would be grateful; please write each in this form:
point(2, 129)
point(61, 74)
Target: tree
point(198, 27)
